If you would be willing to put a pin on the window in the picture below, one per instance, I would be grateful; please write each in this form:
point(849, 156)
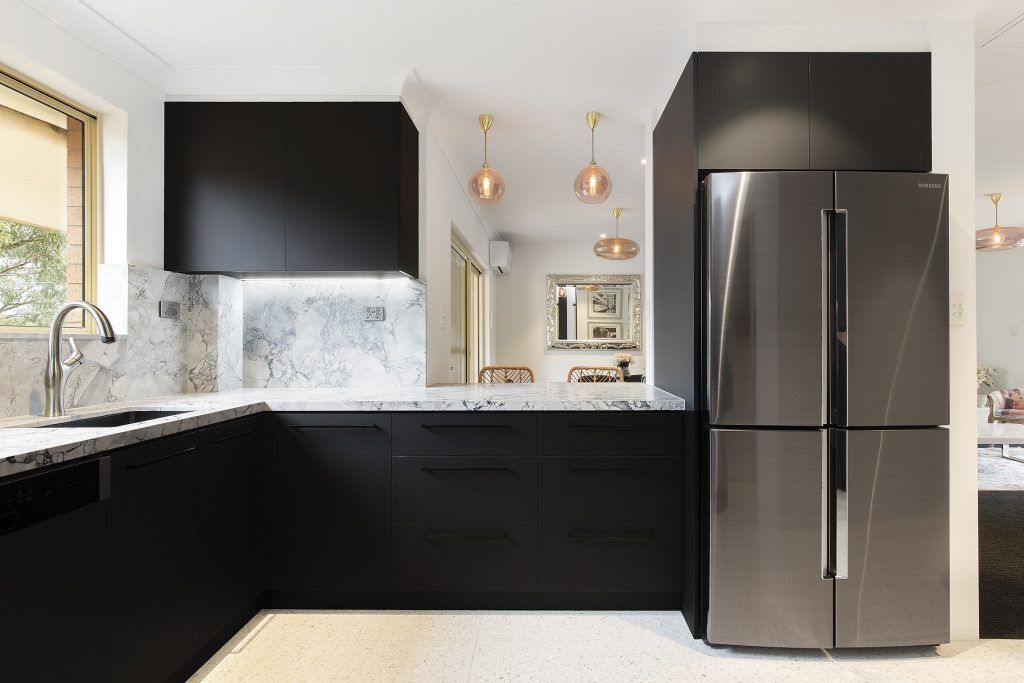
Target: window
point(467, 338)
point(47, 180)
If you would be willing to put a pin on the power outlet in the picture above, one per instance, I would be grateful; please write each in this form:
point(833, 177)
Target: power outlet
point(373, 313)
point(170, 309)
point(957, 311)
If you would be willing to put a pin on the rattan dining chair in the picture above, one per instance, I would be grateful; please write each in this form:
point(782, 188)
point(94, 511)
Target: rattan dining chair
point(506, 374)
point(584, 373)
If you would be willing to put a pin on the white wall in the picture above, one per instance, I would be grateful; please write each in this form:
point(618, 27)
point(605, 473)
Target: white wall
point(519, 309)
point(1001, 316)
point(131, 120)
point(951, 42)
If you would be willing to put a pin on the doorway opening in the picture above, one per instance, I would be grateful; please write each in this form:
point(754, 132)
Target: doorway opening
point(467, 327)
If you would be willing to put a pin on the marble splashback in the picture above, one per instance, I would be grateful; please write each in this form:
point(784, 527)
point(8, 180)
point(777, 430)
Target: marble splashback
point(311, 333)
point(201, 351)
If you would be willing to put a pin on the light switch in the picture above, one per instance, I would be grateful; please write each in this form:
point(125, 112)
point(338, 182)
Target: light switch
point(444, 320)
point(957, 311)
point(1013, 330)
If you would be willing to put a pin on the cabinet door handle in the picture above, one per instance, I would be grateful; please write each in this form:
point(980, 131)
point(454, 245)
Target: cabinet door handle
point(432, 470)
point(161, 459)
point(613, 468)
point(609, 425)
point(334, 426)
point(480, 426)
point(466, 537)
point(233, 436)
point(612, 538)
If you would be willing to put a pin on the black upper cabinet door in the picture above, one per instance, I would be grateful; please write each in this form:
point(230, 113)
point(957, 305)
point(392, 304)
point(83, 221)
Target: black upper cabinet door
point(154, 564)
point(752, 111)
point(343, 186)
point(224, 187)
point(230, 496)
point(332, 502)
point(871, 111)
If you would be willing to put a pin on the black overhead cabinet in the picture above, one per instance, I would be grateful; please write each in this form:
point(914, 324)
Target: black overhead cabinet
point(821, 110)
point(301, 187)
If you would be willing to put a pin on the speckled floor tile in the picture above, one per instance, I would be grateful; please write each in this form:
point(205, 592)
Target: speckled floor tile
point(563, 646)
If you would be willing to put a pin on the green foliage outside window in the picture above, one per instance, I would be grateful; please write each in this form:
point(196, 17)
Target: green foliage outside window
point(33, 280)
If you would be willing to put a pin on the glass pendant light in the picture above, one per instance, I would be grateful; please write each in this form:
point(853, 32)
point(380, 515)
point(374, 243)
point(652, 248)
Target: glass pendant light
point(593, 184)
point(486, 186)
point(998, 238)
point(616, 248)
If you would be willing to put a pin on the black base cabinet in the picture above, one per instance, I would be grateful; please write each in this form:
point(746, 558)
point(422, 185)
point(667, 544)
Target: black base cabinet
point(331, 482)
point(196, 532)
point(230, 520)
point(154, 564)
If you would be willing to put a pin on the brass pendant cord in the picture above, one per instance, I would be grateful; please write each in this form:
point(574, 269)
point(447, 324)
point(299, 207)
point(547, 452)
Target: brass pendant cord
point(592, 162)
point(485, 149)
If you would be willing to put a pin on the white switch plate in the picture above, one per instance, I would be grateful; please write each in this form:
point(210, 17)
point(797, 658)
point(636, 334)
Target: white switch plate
point(957, 311)
point(373, 313)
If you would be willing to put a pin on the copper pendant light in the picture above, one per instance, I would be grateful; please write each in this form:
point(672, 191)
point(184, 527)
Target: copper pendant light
point(486, 186)
point(616, 248)
point(592, 184)
point(998, 238)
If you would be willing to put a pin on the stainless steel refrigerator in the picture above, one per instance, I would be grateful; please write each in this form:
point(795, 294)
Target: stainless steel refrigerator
point(826, 364)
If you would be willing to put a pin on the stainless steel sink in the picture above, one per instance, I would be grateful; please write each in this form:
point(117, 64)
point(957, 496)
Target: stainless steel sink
point(117, 419)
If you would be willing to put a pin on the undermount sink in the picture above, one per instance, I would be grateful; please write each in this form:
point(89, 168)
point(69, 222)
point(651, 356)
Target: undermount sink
point(117, 419)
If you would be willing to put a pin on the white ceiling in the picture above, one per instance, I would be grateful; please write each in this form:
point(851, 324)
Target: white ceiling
point(537, 65)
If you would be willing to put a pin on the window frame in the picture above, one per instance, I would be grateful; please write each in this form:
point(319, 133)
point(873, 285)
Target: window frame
point(90, 186)
point(472, 306)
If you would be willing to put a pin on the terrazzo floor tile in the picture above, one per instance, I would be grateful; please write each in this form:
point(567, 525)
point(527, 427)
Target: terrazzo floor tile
point(563, 646)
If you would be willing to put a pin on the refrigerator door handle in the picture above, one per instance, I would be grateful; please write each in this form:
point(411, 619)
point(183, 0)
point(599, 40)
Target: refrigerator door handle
point(840, 508)
point(838, 316)
point(826, 507)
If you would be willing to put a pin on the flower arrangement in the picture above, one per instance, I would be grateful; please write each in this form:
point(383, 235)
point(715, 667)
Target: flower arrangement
point(623, 359)
point(986, 376)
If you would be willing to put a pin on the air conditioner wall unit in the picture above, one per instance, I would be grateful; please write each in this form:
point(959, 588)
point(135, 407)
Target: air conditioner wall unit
point(500, 257)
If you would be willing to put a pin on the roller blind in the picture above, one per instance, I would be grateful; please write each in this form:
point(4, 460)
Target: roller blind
point(33, 162)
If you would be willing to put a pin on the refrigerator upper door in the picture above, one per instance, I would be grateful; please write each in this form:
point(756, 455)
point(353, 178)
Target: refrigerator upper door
point(768, 542)
point(897, 590)
point(897, 336)
point(766, 354)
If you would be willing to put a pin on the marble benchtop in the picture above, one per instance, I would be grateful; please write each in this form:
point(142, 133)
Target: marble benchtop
point(26, 442)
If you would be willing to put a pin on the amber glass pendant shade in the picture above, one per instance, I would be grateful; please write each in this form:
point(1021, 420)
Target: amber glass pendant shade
point(486, 185)
point(592, 184)
point(998, 238)
point(616, 248)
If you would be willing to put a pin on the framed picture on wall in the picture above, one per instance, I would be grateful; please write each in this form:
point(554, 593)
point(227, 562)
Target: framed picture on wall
point(606, 330)
point(605, 303)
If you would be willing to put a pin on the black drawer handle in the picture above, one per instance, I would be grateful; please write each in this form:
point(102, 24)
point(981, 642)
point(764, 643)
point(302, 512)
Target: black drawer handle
point(166, 457)
point(466, 537)
point(481, 426)
point(613, 538)
point(613, 468)
point(334, 426)
point(609, 425)
point(432, 470)
point(233, 436)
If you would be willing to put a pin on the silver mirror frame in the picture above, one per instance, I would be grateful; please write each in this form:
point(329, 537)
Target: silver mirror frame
point(636, 308)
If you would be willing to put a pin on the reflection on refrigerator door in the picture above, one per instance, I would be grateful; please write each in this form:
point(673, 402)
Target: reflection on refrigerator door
point(768, 551)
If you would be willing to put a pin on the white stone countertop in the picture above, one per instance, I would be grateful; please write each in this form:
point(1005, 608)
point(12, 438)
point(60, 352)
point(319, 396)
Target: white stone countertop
point(27, 442)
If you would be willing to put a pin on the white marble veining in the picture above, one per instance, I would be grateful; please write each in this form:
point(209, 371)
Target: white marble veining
point(201, 351)
point(23, 447)
point(311, 333)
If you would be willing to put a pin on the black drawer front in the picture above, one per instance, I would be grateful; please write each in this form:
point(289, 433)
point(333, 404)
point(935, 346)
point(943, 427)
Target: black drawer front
point(243, 429)
point(464, 489)
point(464, 434)
point(604, 433)
point(337, 433)
point(464, 557)
point(611, 524)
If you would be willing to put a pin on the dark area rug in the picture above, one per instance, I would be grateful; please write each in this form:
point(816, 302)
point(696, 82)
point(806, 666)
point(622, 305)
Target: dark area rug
point(1001, 563)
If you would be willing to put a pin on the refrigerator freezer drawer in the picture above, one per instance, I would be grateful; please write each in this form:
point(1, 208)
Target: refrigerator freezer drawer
point(767, 549)
point(897, 590)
